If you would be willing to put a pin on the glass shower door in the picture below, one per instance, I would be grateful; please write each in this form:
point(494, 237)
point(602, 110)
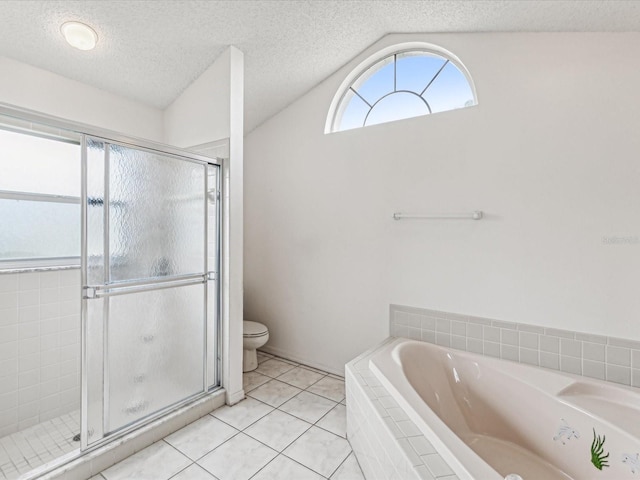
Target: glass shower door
point(146, 276)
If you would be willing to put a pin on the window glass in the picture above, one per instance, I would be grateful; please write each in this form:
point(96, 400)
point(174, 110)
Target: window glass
point(403, 85)
point(355, 109)
point(450, 90)
point(39, 199)
point(397, 106)
point(42, 230)
point(36, 164)
point(377, 82)
point(415, 70)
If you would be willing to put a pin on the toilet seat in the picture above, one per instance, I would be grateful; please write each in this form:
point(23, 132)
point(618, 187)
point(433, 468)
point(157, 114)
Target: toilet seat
point(254, 330)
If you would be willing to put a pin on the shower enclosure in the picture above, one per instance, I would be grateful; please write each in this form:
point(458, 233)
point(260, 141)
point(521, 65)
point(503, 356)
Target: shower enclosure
point(148, 290)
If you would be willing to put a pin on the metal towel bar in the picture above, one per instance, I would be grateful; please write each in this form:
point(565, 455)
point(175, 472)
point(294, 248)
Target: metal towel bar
point(475, 215)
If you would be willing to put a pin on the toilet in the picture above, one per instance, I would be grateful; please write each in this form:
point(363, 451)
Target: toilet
point(254, 336)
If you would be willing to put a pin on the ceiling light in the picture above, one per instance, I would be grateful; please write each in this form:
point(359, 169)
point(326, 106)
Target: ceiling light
point(79, 35)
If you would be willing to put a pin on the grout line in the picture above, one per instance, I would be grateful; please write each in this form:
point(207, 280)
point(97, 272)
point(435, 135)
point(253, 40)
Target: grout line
point(278, 408)
point(287, 445)
point(305, 466)
point(251, 424)
point(329, 431)
point(341, 463)
point(238, 432)
point(265, 465)
point(188, 466)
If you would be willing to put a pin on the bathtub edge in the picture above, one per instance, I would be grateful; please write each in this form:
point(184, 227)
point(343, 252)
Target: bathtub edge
point(384, 449)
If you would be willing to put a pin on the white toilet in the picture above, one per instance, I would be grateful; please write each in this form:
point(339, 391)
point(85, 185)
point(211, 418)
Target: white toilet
point(254, 336)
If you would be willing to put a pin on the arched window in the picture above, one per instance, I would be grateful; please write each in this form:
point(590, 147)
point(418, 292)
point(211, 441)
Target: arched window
point(403, 84)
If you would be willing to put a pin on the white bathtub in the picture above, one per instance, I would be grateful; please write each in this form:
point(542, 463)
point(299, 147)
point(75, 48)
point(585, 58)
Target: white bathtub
point(489, 418)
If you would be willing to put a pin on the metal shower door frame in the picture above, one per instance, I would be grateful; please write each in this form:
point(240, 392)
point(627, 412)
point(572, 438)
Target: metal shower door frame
point(90, 292)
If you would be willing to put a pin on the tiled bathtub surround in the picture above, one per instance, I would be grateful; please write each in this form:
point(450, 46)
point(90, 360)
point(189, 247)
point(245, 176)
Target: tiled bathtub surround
point(39, 347)
point(604, 358)
point(388, 445)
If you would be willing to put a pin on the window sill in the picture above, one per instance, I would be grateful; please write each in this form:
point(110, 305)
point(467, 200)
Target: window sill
point(24, 267)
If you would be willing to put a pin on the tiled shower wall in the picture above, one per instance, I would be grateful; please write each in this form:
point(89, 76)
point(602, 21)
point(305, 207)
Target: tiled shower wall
point(39, 347)
point(604, 358)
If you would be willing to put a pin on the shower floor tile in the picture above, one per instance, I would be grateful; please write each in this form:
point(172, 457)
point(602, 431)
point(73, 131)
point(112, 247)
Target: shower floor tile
point(32, 447)
point(309, 444)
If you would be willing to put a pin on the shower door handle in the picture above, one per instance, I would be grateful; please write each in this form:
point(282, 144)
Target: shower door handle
point(100, 291)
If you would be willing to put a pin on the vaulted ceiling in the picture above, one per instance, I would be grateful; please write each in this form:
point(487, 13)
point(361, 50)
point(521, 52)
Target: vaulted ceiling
point(151, 50)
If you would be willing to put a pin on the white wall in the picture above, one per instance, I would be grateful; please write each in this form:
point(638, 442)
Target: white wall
point(550, 154)
point(201, 113)
point(45, 92)
point(208, 116)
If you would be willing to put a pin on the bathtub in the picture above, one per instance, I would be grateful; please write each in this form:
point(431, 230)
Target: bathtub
point(491, 418)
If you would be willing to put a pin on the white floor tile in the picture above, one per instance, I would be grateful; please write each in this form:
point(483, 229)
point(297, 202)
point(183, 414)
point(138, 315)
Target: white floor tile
point(278, 429)
point(201, 436)
point(194, 472)
point(349, 470)
point(251, 380)
point(335, 421)
point(274, 393)
point(237, 459)
point(319, 450)
point(263, 357)
point(283, 468)
point(243, 413)
point(329, 387)
point(308, 406)
point(274, 367)
point(159, 461)
point(222, 453)
point(300, 377)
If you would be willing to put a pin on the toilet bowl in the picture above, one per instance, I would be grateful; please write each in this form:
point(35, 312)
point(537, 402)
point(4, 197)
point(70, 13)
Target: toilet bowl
point(254, 336)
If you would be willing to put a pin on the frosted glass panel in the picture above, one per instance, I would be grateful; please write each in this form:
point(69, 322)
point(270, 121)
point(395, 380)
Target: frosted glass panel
point(94, 358)
point(155, 351)
point(95, 172)
point(156, 215)
point(146, 224)
point(30, 230)
point(31, 163)
point(156, 212)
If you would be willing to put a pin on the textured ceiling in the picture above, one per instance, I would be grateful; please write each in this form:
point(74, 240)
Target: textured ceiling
point(151, 50)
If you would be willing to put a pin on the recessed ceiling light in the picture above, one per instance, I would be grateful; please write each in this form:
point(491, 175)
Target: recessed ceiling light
point(79, 35)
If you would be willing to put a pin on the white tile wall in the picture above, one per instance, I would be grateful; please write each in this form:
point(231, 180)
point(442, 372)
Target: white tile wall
point(604, 358)
point(387, 444)
point(39, 347)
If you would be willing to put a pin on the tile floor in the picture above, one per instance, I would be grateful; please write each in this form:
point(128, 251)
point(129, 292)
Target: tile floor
point(291, 426)
point(32, 447)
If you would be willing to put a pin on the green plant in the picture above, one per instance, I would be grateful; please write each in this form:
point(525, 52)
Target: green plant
point(597, 450)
